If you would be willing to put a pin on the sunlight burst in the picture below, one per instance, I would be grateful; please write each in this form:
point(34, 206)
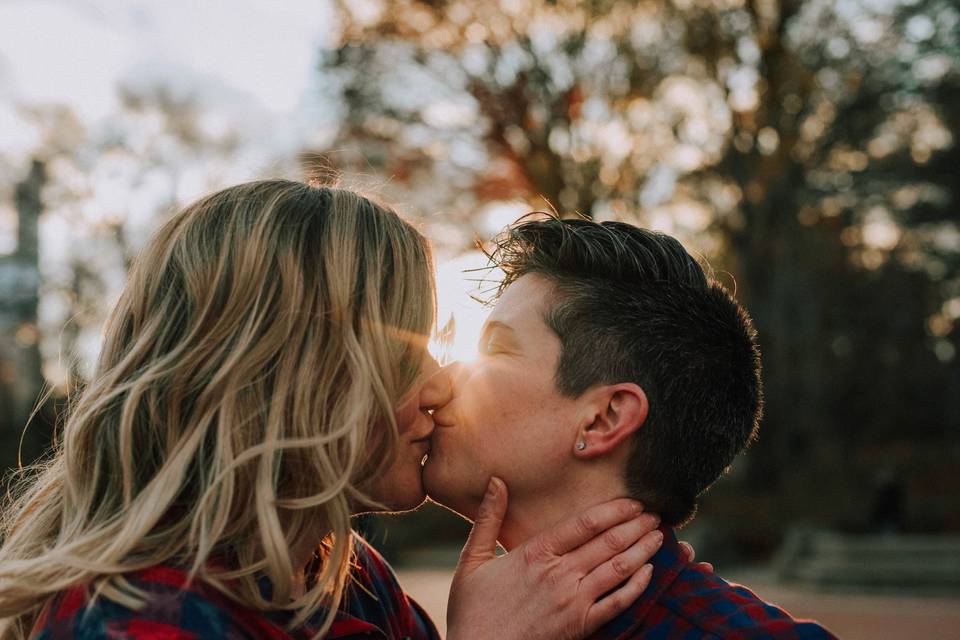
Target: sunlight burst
point(460, 315)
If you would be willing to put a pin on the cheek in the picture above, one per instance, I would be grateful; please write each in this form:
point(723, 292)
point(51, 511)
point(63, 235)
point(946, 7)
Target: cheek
point(503, 405)
point(494, 422)
point(521, 425)
point(401, 487)
point(407, 415)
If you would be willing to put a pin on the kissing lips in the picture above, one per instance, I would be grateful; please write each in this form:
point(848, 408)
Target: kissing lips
point(426, 451)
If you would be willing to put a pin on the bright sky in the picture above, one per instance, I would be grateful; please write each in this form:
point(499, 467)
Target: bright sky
point(74, 51)
point(250, 62)
point(454, 291)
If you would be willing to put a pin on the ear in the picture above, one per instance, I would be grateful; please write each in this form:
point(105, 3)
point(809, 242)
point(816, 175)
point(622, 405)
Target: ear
point(618, 411)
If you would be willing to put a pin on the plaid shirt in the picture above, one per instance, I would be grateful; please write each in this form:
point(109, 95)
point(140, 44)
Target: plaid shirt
point(686, 602)
point(374, 607)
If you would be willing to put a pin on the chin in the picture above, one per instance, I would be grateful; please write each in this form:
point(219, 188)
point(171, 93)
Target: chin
point(447, 494)
point(406, 496)
point(408, 503)
point(395, 493)
point(432, 481)
point(395, 504)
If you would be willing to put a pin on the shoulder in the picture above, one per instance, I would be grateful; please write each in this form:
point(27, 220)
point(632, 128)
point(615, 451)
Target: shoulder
point(370, 564)
point(171, 609)
point(373, 575)
point(685, 600)
point(375, 595)
point(718, 608)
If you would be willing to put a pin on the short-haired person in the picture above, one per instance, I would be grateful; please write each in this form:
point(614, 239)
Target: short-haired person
point(263, 378)
point(611, 366)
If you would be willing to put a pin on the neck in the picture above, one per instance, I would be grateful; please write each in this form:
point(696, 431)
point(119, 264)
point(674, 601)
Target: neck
point(529, 515)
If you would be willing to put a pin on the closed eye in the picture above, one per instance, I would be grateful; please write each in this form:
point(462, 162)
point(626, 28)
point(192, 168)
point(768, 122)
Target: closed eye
point(496, 339)
point(492, 348)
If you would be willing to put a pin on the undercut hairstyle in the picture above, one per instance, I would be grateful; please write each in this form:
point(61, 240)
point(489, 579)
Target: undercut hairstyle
point(631, 305)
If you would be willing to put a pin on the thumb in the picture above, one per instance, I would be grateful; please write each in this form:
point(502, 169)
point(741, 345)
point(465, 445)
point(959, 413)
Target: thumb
point(481, 544)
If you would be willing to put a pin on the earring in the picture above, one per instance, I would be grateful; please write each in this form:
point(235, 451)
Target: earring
point(581, 445)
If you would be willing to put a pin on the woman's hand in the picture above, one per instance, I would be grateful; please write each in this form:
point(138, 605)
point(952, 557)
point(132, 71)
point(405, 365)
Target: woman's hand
point(562, 584)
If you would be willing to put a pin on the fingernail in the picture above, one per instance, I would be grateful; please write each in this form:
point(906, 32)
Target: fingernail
point(647, 569)
point(492, 487)
point(638, 507)
point(658, 537)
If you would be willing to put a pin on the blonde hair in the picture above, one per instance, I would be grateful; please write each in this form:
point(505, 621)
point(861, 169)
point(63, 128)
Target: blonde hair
point(263, 340)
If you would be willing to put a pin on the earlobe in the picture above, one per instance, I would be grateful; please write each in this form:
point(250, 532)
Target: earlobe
point(619, 411)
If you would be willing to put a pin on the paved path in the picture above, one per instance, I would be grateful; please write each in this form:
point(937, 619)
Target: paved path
point(849, 616)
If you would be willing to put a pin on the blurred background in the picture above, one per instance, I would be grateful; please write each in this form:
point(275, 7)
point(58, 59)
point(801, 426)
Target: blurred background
point(807, 150)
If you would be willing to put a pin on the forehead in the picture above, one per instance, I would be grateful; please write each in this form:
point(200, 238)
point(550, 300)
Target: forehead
point(523, 304)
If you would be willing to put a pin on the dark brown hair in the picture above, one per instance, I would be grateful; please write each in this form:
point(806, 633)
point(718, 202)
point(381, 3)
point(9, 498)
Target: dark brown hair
point(632, 305)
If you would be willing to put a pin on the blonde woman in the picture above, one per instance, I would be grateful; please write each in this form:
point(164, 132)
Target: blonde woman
point(263, 378)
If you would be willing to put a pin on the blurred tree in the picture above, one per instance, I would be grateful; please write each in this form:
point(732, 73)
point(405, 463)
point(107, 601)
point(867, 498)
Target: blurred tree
point(91, 197)
point(21, 375)
point(809, 148)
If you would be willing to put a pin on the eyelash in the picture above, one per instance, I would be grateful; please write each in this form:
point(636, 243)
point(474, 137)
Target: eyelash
point(489, 348)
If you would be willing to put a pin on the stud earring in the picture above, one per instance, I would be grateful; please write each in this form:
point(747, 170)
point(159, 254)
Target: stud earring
point(581, 445)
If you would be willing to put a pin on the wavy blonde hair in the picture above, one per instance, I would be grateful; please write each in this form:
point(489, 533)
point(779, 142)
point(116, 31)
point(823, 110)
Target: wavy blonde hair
point(263, 340)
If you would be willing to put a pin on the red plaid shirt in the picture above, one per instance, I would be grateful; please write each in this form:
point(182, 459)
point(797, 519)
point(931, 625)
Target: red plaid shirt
point(686, 602)
point(374, 607)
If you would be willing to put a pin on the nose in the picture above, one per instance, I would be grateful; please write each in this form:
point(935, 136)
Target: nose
point(441, 388)
point(441, 391)
point(437, 390)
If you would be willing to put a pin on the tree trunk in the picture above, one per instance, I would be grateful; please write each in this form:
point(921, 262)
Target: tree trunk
point(21, 374)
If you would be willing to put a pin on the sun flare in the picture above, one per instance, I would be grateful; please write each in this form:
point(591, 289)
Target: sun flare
point(460, 315)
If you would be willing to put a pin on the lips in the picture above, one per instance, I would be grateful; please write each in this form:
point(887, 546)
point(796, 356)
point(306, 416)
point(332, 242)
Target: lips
point(426, 449)
point(445, 417)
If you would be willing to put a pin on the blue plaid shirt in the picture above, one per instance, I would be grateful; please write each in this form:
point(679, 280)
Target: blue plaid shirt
point(685, 601)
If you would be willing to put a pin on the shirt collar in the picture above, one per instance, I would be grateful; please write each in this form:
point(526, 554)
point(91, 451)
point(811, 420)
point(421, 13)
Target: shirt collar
point(667, 563)
point(344, 624)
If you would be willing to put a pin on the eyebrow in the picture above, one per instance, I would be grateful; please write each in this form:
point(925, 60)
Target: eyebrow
point(495, 325)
